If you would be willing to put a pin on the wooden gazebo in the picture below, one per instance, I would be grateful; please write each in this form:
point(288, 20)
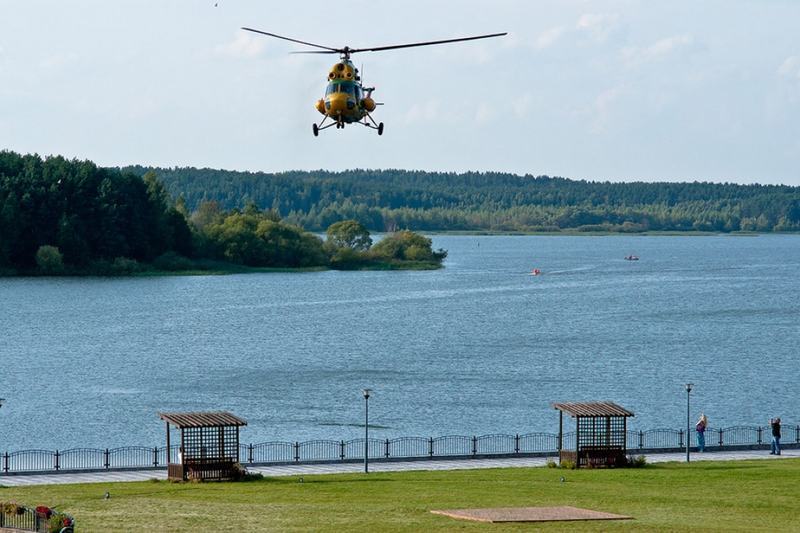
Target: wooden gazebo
point(209, 445)
point(600, 433)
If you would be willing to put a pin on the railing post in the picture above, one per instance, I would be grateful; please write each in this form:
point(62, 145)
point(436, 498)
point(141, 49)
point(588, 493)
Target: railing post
point(341, 450)
point(296, 452)
point(796, 434)
point(680, 438)
point(56, 461)
point(641, 439)
point(155, 455)
point(721, 439)
point(386, 454)
point(250, 453)
point(5, 462)
point(516, 443)
point(759, 434)
point(474, 446)
point(430, 446)
point(106, 462)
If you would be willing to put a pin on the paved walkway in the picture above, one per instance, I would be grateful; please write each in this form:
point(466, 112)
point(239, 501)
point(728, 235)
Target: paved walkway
point(341, 468)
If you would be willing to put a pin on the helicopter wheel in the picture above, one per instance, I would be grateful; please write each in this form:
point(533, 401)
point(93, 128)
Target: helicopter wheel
point(380, 128)
point(315, 129)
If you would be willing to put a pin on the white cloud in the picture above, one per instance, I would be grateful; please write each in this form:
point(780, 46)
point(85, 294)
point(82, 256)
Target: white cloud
point(598, 25)
point(485, 113)
point(522, 105)
point(658, 50)
point(603, 108)
point(58, 60)
point(423, 112)
point(549, 37)
point(790, 68)
point(244, 45)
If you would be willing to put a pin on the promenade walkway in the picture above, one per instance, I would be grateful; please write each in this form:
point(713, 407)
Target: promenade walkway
point(341, 468)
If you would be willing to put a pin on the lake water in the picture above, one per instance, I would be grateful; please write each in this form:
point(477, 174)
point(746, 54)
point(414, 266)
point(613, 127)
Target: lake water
point(477, 347)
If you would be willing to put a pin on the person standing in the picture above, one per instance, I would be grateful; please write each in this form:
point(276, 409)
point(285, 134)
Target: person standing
point(775, 423)
point(700, 427)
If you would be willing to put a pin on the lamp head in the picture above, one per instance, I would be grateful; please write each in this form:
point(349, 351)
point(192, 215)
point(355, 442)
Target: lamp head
point(689, 387)
point(366, 393)
point(2, 400)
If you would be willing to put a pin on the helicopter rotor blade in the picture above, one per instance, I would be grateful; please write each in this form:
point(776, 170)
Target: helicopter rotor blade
point(427, 43)
point(332, 50)
point(316, 52)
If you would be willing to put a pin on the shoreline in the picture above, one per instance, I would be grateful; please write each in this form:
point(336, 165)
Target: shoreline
point(224, 269)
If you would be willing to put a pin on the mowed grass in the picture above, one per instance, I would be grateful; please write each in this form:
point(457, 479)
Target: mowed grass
point(755, 495)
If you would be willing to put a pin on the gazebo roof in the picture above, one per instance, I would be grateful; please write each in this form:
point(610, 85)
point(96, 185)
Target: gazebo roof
point(203, 419)
point(575, 409)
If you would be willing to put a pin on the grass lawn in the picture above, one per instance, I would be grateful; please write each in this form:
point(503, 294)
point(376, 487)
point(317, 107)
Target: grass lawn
point(704, 496)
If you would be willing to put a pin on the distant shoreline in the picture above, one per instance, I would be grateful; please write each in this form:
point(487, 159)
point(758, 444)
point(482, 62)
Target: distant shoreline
point(223, 269)
point(575, 233)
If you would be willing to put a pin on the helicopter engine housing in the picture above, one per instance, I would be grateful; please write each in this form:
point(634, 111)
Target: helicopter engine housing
point(368, 103)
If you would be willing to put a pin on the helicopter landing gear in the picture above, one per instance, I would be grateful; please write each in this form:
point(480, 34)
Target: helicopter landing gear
point(316, 128)
point(374, 125)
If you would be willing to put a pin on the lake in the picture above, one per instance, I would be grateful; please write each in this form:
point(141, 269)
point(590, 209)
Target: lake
point(475, 348)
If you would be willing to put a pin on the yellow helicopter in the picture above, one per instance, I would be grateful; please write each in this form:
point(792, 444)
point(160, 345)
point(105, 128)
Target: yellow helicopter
point(346, 100)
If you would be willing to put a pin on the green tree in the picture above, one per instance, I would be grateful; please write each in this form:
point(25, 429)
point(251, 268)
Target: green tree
point(49, 260)
point(349, 234)
point(407, 245)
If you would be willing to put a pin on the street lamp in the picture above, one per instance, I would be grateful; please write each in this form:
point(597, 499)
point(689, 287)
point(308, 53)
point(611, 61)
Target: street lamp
point(688, 419)
point(366, 393)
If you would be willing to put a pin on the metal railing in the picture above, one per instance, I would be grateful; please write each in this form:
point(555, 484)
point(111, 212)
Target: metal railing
point(41, 520)
point(400, 448)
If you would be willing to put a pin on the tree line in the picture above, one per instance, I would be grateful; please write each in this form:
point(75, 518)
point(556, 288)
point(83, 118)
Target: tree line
point(383, 200)
point(60, 216)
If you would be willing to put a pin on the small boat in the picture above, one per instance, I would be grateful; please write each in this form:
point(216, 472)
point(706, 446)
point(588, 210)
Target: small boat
point(535, 272)
point(631, 257)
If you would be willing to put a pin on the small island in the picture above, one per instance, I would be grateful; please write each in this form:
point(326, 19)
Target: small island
point(62, 217)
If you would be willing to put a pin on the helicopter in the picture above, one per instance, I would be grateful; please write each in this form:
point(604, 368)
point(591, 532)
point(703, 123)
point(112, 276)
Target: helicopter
point(346, 99)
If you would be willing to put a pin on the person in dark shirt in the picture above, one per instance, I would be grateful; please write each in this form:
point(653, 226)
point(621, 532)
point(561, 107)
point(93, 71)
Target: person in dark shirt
point(775, 423)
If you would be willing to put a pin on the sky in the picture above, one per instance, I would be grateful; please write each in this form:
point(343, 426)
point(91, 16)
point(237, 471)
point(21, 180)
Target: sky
point(617, 90)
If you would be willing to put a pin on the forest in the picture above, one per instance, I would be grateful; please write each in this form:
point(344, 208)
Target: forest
point(70, 217)
point(384, 200)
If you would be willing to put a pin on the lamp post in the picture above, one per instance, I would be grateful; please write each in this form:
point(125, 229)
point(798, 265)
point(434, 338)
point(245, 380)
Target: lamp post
point(366, 393)
point(688, 419)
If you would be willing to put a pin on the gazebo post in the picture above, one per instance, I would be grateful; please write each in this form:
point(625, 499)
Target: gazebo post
point(182, 457)
point(560, 435)
point(168, 448)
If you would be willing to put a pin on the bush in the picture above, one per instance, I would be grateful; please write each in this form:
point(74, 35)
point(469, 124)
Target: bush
point(49, 260)
point(243, 475)
point(123, 265)
point(173, 262)
point(406, 245)
point(551, 463)
point(637, 461)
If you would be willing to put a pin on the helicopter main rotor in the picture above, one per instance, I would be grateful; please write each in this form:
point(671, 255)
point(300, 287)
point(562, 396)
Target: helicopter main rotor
point(346, 51)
